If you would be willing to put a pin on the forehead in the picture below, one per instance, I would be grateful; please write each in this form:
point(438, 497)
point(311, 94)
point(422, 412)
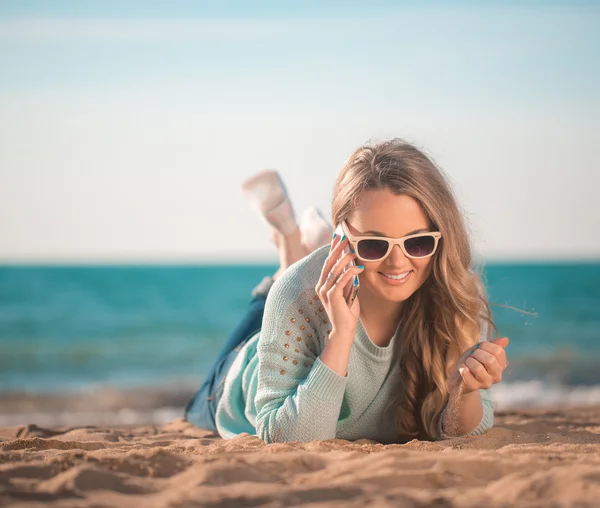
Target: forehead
point(391, 214)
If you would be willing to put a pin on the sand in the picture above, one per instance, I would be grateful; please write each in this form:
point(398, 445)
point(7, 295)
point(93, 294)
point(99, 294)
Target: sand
point(542, 457)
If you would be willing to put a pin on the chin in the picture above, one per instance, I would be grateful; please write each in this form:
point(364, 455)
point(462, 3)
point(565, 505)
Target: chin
point(393, 293)
point(390, 293)
point(396, 294)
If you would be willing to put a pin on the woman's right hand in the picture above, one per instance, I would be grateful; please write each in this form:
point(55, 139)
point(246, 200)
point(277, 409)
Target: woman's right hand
point(330, 288)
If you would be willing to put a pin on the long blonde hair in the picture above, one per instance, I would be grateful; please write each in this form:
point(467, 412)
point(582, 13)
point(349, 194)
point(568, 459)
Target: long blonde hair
point(441, 319)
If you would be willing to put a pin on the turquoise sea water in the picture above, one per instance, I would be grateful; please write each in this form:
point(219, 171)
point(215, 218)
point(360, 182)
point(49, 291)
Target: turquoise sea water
point(67, 328)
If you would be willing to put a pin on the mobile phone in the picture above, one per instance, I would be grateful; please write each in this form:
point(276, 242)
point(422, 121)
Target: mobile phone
point(351, 289)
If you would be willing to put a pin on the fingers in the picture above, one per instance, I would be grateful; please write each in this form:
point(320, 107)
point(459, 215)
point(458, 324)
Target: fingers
point(337, 245)
point(334, 264)
point(337, 271)
point(490, 363)
point(342, 263)
point(484, 363)
point(470, 382)
point(503, 342)
point(479, 372)
point(340, 284)
point(497, 351)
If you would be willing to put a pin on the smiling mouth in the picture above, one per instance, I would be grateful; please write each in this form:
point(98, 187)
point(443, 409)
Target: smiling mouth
point(399, 276)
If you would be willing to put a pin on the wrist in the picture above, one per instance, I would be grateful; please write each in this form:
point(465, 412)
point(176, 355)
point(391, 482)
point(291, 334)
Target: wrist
point(455, 382)
point(457, 386)
point(346, 336)
point(468, 393)
point(336, 353)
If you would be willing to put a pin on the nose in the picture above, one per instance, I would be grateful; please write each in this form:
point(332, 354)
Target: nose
point(397, 257)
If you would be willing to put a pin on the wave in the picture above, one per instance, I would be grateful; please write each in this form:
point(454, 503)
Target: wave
point(538, 393)
point(110, 407)
point(124, 416)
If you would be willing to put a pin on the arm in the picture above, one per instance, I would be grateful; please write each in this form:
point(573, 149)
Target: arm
point(470, 410)
point(468, 414)
point(299, 397)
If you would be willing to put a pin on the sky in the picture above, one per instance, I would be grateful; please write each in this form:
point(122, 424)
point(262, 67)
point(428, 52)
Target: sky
point(126, 128)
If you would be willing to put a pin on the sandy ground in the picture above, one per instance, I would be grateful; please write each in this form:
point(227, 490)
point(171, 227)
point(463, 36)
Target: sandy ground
point(539, 458)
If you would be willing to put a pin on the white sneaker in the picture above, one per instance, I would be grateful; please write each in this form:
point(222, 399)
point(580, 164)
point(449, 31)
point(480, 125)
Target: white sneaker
point(316, 230)
point(266, 193)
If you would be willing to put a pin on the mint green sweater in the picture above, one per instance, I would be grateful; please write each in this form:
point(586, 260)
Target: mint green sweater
point(279, 389)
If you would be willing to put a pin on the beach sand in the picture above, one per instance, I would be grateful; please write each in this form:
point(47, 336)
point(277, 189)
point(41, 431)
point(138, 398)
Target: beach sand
point(542, 457)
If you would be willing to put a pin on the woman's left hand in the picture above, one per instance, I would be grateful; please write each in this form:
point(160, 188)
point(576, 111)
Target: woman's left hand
point(481, 366)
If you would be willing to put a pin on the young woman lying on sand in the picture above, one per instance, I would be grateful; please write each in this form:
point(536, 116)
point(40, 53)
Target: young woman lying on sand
point(409, 358)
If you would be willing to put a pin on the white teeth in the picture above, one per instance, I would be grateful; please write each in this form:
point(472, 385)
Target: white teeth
point(396, 277)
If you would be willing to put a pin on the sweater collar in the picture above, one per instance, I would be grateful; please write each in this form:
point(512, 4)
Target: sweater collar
point(381, 354)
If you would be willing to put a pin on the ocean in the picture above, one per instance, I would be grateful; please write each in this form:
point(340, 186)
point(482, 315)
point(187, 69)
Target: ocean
point(72, 329)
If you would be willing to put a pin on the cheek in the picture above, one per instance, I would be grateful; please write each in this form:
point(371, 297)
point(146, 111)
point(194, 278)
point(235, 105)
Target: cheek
point(369, 275)
point(371, 269)
point(422, 268)
point(422, 264)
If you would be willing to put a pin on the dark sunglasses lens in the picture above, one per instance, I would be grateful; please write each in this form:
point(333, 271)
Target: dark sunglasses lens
point(420, 246)
point(372, 249)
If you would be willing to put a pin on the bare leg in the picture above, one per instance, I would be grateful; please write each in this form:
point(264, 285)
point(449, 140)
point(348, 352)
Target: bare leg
point(267, 194)
point(290, 249)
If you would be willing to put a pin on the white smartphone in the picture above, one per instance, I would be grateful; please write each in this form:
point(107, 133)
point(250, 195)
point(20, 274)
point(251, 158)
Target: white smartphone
point(351, 289)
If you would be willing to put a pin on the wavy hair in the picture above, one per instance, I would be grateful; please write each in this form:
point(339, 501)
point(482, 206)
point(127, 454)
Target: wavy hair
point(443, 317)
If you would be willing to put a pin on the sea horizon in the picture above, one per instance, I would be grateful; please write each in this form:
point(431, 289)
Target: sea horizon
point(95, 329)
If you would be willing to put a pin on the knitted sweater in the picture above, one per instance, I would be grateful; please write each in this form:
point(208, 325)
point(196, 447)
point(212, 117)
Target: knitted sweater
point(279, 389)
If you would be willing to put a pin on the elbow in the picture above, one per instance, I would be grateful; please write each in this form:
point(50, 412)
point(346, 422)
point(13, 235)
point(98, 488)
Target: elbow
point(487, 421)
point(264, 434)
point(271, 431)
point(265, 427)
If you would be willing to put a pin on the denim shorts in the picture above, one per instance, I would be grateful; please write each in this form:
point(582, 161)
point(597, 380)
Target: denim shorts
point(201, 410)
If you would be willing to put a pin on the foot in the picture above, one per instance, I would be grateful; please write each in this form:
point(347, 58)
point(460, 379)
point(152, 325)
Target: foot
point(316, 230)
point(267, 194)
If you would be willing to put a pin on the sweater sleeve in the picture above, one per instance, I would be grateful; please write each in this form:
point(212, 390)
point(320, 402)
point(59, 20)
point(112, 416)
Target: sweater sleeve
point(298, 397)
point(487, 418)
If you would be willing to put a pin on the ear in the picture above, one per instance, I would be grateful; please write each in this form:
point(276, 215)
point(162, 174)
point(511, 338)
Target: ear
point(501, 342)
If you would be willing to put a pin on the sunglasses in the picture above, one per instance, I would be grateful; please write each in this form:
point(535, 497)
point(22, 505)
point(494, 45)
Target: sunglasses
point(376, 248)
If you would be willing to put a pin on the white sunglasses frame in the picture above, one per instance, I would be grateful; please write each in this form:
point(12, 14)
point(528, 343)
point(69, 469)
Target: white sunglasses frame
point(354, 239)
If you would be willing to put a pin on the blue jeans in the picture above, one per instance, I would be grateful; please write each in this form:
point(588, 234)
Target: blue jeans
point(202, 408)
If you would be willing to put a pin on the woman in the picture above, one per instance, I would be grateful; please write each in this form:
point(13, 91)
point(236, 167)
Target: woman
point(408, 359)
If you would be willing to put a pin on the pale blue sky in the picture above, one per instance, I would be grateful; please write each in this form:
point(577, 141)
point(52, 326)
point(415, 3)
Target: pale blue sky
point(126, 131)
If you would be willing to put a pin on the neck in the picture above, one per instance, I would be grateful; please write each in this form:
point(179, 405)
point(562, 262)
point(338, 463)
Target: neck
point(374, 309)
